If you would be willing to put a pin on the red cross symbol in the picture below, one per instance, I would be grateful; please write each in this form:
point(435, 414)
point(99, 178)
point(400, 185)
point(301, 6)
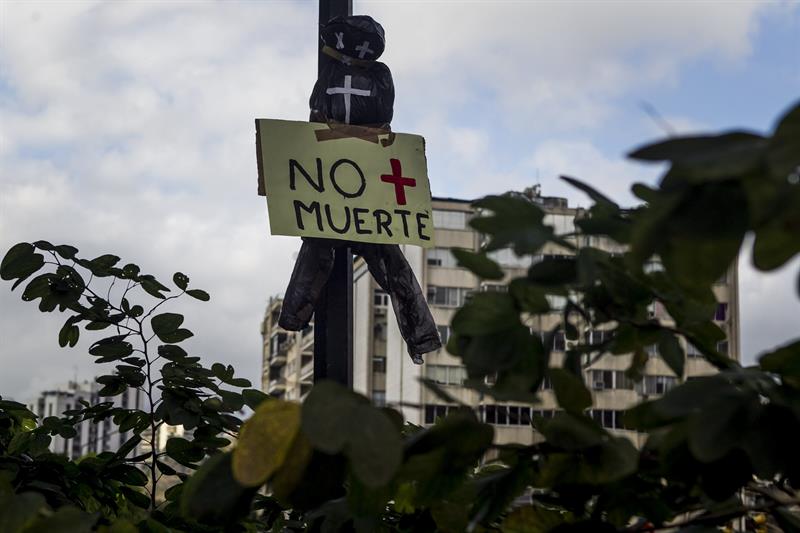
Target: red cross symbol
point(399, 181)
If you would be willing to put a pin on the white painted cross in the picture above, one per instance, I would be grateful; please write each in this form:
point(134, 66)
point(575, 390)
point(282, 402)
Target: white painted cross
point(364, 49)
point(346, 91)
point(339, 40)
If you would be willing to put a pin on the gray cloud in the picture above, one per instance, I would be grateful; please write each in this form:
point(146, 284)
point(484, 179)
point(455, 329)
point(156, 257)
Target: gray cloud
point(127, 128)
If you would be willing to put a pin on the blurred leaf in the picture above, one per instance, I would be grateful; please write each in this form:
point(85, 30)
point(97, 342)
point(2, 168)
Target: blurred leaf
point(477, 263)
point(374, 446)
point(213, 495)
point(783, 153)
point(264, 441)
point(514, 222)
point(570, 390)
point(669, 348)
point(253, 398)
point(530, 519)
point(486, 313)
point(325, 411)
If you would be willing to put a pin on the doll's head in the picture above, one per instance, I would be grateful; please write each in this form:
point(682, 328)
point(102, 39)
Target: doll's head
point(357, 36)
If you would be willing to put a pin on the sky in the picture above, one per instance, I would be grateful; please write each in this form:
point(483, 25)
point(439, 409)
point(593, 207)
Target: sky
point(127, 128)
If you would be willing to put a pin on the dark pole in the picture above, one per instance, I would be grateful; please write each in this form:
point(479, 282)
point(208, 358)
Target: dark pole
point(333, 318)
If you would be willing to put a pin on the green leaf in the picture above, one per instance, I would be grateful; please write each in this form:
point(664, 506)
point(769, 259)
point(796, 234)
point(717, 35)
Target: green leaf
point(265, 441)
point(671, 352)
point(477, 263)
point(783, 153)
point(530, 519)
point(374, 446)
point(181, 280)
point(253, 398)
point(695, 149)
point(179, 335)
point(112, 348)
point(598, 197)
point(139, 499)
point(486, 313)
point(553, 272)
point(570, 391)
point(199, 294)
point(20, 262)
point(717, 427)
point(515, 222)
point(166, 323)
point(784, 360)
point(213, 496)
point(325, 409)
point(183, 451)
point(172, 352)
point(572, 432)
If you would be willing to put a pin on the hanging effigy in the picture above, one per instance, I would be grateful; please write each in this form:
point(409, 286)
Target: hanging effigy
point(346, 179)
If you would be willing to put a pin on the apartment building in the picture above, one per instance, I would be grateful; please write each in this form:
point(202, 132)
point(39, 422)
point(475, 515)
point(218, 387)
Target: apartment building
point(92, 438)
point(383, 371)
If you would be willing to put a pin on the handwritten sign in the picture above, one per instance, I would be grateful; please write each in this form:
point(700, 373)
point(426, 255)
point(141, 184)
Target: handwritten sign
point(344, 182)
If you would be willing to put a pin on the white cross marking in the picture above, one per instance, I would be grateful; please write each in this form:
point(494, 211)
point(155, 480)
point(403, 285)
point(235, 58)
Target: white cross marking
point(346, 91)
point(364, 49)
point(339, 40)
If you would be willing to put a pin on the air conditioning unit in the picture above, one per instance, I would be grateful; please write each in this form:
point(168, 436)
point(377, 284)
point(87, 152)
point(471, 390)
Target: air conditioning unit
point(598, 385)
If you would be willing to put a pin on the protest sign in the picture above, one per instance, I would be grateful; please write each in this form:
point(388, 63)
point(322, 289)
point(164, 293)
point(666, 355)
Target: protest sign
point(344, 182)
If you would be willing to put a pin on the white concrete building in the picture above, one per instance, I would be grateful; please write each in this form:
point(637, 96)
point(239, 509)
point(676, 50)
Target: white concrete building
point(383, 370)
point(92, 438)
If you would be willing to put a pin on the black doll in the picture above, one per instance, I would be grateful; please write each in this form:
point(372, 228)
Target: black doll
point(354, 88)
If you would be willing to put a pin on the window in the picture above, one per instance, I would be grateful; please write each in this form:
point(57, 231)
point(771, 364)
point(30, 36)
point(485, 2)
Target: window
point(434, 412)
point(656, 384)
point(447, 296)
point(722, 312)
point(275, 343)
point(546, 384)
point(379, 398)
point(444, 333)
point(491, 414)
point(441, 257)
point(692, 351)
point(379, 364)
point(446, 374)
point(379, 331)
point(493, 287)
point(722, 347)
point(380, 298)
point(651, 350)
point(559, 342)
point(600, 336)
point(621, 381)
point(602, 379)
point(443, 219)
point(608, 418)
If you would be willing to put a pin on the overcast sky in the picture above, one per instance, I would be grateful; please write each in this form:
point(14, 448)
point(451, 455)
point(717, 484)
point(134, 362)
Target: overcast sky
point(127, 128)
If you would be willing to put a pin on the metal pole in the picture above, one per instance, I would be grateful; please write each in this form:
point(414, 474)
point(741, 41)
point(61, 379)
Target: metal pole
point(333, 318)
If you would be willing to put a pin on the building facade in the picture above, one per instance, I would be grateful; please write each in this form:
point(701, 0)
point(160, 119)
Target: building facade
point(92, 438)
point(383, 371)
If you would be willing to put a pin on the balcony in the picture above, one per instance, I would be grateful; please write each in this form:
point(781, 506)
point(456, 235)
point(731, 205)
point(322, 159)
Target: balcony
point(277, 361)
point(277, 386)
point(307, 373)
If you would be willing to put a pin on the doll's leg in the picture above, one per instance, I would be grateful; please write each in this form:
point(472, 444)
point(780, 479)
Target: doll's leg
point(390, 269)
point(311, 272)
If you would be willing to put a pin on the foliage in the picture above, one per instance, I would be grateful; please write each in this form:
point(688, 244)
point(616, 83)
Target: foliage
point(144, 347)
point(715, 448)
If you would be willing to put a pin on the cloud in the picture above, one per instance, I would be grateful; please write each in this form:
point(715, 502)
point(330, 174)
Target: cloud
point(127, 128)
